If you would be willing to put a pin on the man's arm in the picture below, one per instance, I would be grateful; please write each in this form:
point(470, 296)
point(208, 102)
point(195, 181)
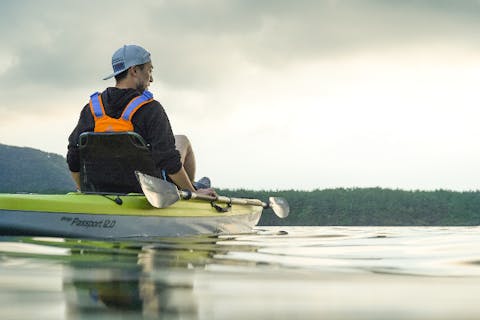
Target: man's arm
point(85, 123)
point(76, 178)
point(183, 182)
point(152, 123)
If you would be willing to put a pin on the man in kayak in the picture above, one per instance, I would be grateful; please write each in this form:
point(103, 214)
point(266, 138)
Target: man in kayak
point(132, 69)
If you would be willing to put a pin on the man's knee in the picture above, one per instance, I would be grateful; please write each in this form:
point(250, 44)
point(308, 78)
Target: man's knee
point(182, 142)
point(182, 138)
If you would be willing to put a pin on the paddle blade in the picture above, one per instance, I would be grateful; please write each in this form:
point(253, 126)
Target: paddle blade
point(279, 206)
point(159, 193)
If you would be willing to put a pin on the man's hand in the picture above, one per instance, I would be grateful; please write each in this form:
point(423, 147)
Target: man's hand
point(209, 192)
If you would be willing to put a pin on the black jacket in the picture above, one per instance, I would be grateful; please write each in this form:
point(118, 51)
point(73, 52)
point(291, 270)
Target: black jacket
point(150, 121)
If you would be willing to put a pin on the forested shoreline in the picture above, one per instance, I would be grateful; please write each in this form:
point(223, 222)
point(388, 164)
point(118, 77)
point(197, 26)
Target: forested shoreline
point(372, 207)
point(30, 170)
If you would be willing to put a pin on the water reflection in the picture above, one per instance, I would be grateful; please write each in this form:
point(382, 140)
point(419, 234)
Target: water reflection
point(154, 279)
point(341, 273)
point(148, 279)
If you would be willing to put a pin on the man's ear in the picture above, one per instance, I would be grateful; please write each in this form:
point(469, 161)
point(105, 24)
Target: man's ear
point(132, 71)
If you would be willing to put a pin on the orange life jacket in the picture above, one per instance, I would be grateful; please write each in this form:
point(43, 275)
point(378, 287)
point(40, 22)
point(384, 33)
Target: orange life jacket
point(104, 123)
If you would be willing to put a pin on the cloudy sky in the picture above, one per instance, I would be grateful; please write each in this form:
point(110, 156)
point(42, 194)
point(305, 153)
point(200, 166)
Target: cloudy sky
point(273, 94)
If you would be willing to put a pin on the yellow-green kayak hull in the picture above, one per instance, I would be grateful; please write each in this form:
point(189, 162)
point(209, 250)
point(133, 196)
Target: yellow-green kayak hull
point(107, 216)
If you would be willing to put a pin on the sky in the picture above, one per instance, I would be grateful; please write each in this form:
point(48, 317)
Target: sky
point(272, 94)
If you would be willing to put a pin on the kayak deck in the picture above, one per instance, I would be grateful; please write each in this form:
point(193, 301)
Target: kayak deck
point(135, 204)
point(103, 216)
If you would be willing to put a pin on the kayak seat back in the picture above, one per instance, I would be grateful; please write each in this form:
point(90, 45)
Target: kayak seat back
point(108, 161)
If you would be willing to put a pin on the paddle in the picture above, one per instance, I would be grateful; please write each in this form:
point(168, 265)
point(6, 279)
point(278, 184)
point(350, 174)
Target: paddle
point(161, 194)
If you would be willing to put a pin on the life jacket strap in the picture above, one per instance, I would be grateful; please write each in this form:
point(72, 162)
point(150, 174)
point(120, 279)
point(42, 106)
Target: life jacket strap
point(135, 104)
point(96, 105)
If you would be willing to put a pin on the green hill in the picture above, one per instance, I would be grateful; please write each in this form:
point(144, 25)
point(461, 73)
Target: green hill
point(31, 170)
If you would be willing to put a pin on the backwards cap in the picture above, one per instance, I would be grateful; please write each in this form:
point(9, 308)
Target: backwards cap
point(126, 57)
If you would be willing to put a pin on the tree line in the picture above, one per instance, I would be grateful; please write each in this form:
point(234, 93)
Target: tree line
point(372, 207)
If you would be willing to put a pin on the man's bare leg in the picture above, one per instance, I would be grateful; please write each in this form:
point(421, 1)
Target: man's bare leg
point(184, 146)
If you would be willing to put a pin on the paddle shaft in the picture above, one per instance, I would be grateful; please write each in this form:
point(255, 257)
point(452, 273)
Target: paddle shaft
point(186, 195)
point(162, 194)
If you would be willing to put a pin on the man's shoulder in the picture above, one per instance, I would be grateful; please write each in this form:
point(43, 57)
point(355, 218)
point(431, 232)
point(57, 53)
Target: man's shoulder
point(151, 111)
point(153, 106)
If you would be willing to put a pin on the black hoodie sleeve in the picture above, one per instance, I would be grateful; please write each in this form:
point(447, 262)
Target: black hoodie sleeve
point(85, 123)
point(152, 123)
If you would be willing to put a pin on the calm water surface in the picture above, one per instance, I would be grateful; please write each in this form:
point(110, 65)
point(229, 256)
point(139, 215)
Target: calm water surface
point(276, 273)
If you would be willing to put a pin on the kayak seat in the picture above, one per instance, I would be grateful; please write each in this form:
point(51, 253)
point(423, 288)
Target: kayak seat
point(108, 161)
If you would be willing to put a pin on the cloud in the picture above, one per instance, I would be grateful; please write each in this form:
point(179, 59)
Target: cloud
point(278, 33)
point(199, 45)
point(65, 47)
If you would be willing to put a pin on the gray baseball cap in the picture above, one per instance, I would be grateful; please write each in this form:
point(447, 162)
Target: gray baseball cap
point(126, 57)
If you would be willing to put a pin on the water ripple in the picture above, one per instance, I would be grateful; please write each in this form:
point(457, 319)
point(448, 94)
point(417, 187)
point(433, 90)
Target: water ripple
point(315, 272)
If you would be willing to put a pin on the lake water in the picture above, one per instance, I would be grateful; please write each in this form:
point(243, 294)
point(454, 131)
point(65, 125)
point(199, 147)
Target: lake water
point(275, 273)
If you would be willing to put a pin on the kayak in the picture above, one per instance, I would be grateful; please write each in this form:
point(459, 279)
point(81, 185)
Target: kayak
point(112, 166)
point(80, 215)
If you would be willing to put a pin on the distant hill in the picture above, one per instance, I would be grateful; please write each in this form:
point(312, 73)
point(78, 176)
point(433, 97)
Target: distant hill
point(30, 170)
